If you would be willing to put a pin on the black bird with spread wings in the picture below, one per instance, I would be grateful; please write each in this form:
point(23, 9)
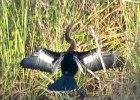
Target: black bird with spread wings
point(70, 61)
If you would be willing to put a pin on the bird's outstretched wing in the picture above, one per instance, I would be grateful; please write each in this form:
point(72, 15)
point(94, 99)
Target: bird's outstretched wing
point(91, 60)
point(44, 60)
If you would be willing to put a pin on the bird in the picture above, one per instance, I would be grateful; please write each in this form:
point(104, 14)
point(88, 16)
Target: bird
point(70, 62)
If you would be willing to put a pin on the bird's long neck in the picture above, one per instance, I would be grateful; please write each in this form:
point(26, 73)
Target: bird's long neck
point(69, 39)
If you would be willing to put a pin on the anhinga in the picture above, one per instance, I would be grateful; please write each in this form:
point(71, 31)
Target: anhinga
point(70, 61)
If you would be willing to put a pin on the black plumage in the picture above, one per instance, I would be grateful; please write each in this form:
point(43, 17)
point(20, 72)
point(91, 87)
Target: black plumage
point(44, 60)
point(70, 61)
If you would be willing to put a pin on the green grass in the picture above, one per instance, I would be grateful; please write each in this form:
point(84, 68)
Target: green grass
point(28, 24)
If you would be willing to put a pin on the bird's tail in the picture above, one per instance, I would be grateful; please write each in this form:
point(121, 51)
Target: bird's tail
point(64, 83)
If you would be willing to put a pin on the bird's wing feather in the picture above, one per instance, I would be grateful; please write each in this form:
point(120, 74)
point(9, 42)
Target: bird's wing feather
point(43, 60)
point(91, 60)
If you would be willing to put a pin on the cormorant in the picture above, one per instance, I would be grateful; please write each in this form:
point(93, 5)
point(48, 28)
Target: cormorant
point(70, 61)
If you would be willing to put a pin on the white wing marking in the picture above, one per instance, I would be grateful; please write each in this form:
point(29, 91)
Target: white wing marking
point(45, 57)
point(79, 64)
point(58, 62)
point(90, 58)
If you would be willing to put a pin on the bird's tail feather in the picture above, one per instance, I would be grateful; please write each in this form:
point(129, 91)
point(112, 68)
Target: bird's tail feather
point(64, 83)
